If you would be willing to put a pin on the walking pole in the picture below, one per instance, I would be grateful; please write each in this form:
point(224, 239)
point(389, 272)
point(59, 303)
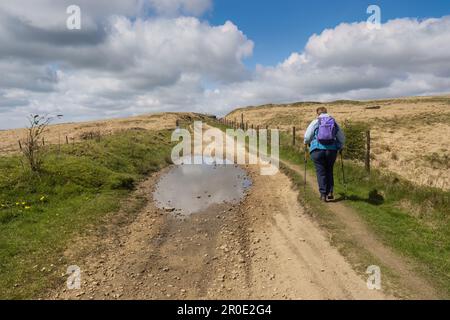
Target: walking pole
point(343, 175)
point(304, 174)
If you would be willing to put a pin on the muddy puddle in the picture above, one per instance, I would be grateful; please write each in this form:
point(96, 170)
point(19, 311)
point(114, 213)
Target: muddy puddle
point(192, 188)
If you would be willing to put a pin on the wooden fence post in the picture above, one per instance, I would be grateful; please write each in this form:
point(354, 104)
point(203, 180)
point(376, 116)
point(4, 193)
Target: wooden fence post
point(293, 136)
point(67, 140)
point(242, 121)
point(20, 145)
point(367, 162)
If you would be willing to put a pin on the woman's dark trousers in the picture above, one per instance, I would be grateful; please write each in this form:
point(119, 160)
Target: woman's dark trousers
point(324, 162)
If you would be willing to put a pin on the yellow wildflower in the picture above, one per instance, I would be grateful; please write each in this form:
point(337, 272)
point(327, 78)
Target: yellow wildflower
point(27, 208)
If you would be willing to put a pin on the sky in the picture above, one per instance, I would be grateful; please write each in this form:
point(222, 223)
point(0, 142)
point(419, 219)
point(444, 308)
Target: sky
point(281, 27)
point(138, 56)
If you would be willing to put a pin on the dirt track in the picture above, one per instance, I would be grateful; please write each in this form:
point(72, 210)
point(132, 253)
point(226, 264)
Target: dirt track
point(409, 282)
point(264, 248)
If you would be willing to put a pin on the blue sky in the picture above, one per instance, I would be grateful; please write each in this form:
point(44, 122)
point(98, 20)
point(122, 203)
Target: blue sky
point(281, 27)
point(185, 56)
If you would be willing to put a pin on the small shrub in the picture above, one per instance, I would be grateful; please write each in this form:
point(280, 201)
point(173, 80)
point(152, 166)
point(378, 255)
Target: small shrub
point(355, 134)
point(32, 149)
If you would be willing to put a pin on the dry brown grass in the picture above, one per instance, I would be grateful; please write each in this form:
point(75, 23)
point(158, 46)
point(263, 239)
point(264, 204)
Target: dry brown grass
point(78, 131)
point(406, 132)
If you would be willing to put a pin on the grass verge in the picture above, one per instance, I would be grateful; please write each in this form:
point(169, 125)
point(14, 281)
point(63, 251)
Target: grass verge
point(78, 186)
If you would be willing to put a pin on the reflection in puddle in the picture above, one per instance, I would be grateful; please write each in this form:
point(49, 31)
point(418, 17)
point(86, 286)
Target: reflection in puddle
point(193, 188)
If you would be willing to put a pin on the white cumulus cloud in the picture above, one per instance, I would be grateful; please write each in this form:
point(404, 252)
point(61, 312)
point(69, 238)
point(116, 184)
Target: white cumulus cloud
point(137, 56)
point(350, 61)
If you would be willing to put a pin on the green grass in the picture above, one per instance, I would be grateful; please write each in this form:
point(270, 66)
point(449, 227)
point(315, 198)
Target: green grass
point(413, 220)
point(41, 214)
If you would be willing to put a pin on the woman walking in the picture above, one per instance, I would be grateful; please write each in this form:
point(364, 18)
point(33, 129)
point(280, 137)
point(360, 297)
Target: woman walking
point(325, 140)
